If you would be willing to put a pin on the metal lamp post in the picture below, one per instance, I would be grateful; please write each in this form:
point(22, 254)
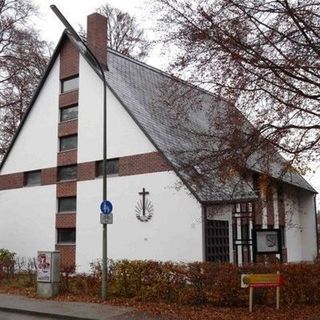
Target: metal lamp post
point(96, 64)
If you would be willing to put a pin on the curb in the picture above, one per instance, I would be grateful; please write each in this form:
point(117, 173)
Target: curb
point(44, 314)
point(129, 316)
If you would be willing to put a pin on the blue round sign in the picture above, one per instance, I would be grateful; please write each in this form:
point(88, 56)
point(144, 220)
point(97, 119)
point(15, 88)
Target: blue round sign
point(106, 207)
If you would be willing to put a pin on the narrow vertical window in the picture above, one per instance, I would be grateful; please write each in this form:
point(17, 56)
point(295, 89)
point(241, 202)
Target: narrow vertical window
point(69, 113)
point(67, 204)
point(70, 84)
point(32, 178)
point(67, 173)
point(66, 235)
point(68, 143)
point(112, 167)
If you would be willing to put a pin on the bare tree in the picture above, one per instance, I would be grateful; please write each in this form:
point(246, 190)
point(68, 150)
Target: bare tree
point(260, 56)
point(22, 61)
point(124, 33)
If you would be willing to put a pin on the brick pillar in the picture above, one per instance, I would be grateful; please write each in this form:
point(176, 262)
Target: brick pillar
point(97, 36)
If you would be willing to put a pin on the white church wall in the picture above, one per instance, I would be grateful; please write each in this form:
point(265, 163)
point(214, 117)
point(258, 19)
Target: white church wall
point(173, 233)
point(293, 224)
point(39, 132)
point(308, 226)
point(27, 218)
point(124, 136)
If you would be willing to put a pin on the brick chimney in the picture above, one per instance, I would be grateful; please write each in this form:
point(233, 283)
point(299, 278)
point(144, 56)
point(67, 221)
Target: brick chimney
point(97, 36)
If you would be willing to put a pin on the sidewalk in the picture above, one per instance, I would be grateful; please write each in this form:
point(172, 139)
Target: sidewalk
point(67, 310)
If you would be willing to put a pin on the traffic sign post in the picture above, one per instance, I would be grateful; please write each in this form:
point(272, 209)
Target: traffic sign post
point(106, 207)
point(106, 217)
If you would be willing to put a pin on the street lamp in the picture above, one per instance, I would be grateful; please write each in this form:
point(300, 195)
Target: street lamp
point(97, 66)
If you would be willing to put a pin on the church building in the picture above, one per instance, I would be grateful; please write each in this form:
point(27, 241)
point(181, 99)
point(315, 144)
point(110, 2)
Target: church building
point(51, 176)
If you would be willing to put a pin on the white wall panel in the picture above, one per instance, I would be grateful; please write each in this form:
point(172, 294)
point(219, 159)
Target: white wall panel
point(173, 233)
point(124, 136)
point(308, 226)
point(27, 218)
point(37, 143)
point(293, 226)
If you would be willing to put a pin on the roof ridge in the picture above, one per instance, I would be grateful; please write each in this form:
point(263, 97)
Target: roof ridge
point(136, 61)
point(164, 73)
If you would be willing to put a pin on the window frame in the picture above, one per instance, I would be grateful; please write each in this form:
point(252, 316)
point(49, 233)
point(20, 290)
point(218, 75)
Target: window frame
point(26, 182)
point(61, 199)
point(64, 138)
point(59, 179)
point(99, 168)
point(66, 80)
point(59, 240)
point(68, 108)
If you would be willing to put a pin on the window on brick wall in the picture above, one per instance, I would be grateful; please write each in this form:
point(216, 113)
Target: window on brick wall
point(112, 167)
point(66, 235)
point(69, 113)
point(67, 173)
point(70, 84)
point(32, 178)
point(68, 143)
point(67, 204)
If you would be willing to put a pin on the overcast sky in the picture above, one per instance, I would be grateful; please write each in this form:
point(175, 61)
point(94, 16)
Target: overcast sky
point(76, 12)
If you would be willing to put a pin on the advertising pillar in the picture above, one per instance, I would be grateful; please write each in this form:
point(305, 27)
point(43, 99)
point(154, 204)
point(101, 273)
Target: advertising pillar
point(48, 273)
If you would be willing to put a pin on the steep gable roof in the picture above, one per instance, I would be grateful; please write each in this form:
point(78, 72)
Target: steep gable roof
point(139, 88)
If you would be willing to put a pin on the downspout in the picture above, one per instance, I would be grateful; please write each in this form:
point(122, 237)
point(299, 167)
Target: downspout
point(204, 233)
point(316, 220)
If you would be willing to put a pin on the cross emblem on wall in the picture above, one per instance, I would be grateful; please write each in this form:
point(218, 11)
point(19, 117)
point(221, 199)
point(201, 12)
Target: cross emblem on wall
point(144, 208)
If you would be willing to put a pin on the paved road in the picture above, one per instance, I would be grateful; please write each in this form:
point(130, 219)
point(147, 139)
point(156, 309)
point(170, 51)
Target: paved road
point(32, 309)
point(19, 316)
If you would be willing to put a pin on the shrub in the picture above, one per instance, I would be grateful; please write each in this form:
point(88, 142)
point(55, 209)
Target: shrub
point(7, 263)
point(183, 283)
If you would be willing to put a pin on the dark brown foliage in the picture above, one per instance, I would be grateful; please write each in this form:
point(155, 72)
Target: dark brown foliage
point(124, 33)
point(196, 283)
point(261, 56)
point(186, 291)
point(22, 62)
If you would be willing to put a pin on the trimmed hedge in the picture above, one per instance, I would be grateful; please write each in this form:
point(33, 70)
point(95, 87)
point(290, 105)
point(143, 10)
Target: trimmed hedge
point(197, 283)
point(182, 283)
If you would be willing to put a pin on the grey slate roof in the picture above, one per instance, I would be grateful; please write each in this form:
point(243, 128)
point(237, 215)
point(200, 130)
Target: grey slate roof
point(143, 90)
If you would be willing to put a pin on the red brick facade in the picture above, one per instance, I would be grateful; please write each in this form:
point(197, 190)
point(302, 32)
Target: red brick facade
point(68, 99)
point(143, 163)
point(86, 171)
point(69, 67)
point(258, 212)
point(67, 256)
point(67, 128)
point(69, 60)
point(281, 208)
point(97, 36)
point(48, 176)
point(65, 158)
point(11, 181)
point(66, 189)
point(131, 165)
point(65, 220)
point(270, 207)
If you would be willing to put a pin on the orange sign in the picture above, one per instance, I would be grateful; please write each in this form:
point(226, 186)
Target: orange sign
point(263, 280)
